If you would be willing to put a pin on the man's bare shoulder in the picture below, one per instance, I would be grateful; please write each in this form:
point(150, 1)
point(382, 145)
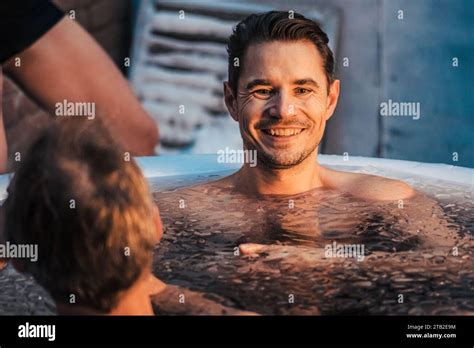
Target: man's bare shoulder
point(367, 186)
point(360, 185)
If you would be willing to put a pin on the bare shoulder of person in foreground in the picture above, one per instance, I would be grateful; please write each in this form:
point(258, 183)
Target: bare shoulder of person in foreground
point(175, 300)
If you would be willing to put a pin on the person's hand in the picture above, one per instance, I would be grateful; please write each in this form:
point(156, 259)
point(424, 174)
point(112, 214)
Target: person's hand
point(252, 248)
point(299, 257)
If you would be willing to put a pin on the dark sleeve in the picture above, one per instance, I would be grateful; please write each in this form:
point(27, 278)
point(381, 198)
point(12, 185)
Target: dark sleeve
point(22, 22)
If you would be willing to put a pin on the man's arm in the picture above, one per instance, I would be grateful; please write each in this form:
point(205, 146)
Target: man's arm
point(67, 63)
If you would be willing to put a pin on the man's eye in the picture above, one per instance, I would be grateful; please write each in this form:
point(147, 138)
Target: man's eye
point(301, 90)
point(263, 92)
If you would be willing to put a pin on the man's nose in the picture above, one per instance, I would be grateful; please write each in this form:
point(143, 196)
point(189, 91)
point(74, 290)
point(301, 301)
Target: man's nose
point(282, 106)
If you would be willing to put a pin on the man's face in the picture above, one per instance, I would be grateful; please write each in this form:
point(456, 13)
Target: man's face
point(282, 102)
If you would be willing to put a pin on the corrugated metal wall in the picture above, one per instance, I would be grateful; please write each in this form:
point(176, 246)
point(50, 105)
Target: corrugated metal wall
point(405, 60)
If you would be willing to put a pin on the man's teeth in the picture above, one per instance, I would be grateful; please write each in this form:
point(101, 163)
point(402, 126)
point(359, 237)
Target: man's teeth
point(284, 132)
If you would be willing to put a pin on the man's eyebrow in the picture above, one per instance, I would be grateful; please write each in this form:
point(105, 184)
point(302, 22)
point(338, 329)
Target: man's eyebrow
point(306, 81)
point(258, 82)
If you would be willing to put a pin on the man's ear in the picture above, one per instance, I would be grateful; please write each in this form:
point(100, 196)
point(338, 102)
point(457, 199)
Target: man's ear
point(158, 223)
point(333, 96)
point(230, 101)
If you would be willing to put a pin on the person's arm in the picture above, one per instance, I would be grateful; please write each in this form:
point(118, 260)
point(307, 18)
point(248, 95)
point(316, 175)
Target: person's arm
point(3, 139)
point(67, 64)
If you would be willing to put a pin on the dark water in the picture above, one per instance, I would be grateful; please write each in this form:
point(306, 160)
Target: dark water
point(21, 295)
point(418, 257)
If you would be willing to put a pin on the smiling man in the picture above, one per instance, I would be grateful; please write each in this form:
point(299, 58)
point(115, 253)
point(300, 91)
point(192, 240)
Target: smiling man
point(287, 207)
point(282, 91)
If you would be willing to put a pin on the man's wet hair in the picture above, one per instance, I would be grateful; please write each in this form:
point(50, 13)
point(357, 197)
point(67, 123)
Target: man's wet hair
point(275, 26)
point(87, 207)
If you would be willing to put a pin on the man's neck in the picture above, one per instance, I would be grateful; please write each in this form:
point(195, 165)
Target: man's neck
point(264, 180)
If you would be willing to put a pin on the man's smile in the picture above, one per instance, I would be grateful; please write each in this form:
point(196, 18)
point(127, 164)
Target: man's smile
point(283, 132)
point(275, 136)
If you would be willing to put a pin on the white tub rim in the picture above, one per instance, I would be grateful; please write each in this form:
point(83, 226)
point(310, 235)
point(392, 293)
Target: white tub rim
point(196, 164)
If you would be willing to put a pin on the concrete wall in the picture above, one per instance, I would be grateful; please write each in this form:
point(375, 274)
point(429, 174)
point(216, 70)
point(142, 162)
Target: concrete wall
point(405, 60)
point(417, 65)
